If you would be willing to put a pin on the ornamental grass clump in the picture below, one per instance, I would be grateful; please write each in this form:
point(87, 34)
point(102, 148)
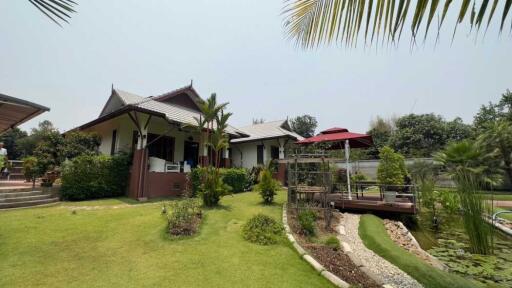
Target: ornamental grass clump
point(183, 217)
point(263, 230)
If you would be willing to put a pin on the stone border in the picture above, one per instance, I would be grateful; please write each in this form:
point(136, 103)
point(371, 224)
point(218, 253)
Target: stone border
point(434, 261)
point(348, 249)
point(499, 226)
point(304, 255)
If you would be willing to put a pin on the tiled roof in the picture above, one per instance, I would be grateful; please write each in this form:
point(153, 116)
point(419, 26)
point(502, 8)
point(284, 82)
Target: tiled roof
point(267, 130)
point(174, 113)
point(127, 97)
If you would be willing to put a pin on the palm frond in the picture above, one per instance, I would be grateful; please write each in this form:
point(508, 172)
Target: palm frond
point(310, 23)
point(55, 10)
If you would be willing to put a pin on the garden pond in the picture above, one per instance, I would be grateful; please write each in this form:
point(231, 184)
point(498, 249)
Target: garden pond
point(450, 244)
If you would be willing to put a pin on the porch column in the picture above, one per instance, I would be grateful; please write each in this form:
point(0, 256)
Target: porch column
point(225, 158)
point(281, 168)
point(203, 155)
point(281, 151)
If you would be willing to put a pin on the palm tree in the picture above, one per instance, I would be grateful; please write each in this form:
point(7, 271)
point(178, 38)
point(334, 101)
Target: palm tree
point(56, 10)
point(471, 167)
point(497, 138)
point(314, 22)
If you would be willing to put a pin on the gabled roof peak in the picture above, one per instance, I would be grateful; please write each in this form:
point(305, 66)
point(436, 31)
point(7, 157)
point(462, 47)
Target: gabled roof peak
point(334, 130)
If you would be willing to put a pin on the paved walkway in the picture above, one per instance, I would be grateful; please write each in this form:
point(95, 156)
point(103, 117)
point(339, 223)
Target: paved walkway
point(502, 203)
point(378, 268)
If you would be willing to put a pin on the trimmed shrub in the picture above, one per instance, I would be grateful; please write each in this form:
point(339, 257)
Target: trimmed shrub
point(236, 178)
point(333, 242)
point(267, 186)
point(90, 177)
point(197, 177)
point(307, 219)
point(262, 229)
point(183, 217)
point(391, 169)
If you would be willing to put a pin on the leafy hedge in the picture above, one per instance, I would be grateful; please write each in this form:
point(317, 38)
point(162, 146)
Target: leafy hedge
point(236, 178)
point(95, 176)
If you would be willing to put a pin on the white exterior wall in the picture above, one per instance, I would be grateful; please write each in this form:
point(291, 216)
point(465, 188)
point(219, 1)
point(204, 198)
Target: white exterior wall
point(246, 154)
point(125, 127)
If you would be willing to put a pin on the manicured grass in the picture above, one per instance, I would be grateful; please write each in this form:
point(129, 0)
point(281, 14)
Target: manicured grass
point(374, 235)
point(129, 247)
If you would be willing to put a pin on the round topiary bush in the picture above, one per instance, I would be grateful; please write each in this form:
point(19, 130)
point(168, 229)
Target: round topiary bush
point(262, 229)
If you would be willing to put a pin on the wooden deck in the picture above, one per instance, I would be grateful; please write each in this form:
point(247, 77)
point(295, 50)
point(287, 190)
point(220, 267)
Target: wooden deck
point(373, 203)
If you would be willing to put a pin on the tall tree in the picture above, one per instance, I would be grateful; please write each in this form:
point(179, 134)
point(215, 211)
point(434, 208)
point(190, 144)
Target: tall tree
point(497, 139)
point(419, 135)
point(10, 140)
point(314, 22)
point(493, 112)
point(381, 130)
point(304, 125)
point(457, 130)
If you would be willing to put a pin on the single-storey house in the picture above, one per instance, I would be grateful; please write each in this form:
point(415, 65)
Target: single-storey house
point(267, 141)
point(161, 133)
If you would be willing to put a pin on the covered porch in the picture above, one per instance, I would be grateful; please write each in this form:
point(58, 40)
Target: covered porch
point(163, 151)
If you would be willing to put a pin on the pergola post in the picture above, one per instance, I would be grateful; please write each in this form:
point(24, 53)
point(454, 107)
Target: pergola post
point(347, 157)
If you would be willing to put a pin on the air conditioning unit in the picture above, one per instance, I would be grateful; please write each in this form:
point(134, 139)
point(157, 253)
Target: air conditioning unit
point(172, 167)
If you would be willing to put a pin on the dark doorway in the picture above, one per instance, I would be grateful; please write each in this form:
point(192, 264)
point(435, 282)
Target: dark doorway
point(191, 153)
point(161, 147)
point(114, 141)
point(274, 152)
point(259, 156)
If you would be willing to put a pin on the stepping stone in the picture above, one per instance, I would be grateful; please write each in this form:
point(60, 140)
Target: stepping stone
point(346, 247)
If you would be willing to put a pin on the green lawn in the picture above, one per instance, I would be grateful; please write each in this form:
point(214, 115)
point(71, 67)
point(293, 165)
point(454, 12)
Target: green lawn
point(129, 247)
point(374, 235)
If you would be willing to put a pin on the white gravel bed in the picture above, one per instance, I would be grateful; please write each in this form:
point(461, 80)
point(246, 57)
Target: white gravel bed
point(381, 270)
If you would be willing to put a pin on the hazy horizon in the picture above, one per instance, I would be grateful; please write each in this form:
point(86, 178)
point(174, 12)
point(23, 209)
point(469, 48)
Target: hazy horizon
point(238, 50)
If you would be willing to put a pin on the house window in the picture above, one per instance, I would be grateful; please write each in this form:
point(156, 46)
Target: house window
point(114, 140)
point(161, 147)
point(259, 156)
point(274, 152)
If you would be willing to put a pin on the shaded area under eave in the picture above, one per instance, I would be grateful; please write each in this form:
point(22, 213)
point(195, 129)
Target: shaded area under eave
point(336, 137)
point(15, 111)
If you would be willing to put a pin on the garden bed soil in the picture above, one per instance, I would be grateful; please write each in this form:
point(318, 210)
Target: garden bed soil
point(187, 229)
point(335, 261)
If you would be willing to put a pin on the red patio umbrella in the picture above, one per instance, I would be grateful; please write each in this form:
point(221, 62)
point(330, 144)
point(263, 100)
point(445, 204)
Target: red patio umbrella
point(341, 138)
point(336, 137)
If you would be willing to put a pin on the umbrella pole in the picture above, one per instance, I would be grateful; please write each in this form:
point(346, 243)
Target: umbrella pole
point(347, 156)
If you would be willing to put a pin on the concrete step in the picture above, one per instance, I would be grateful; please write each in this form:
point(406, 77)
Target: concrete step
point(17, 189)
point(28, 203)
point(21, 194)
point(25, 198)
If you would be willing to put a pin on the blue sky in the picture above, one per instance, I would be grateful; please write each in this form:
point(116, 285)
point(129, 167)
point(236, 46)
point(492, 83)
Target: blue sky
point(238, 50)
